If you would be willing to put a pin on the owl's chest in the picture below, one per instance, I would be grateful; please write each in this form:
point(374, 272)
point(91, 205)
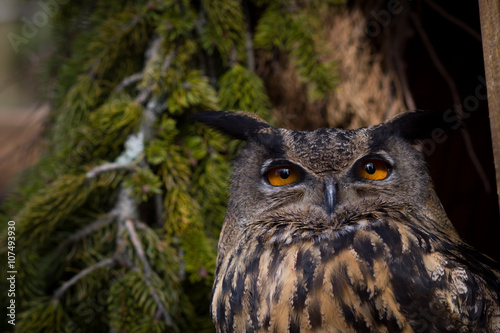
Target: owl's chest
point(332, 284)
point(368, 280)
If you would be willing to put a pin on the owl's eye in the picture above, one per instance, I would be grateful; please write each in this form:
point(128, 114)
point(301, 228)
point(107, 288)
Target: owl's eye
point(374, 169)
point(282, 175)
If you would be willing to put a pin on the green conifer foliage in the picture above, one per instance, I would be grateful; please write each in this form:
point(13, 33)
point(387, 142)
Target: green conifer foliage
point(117, 225)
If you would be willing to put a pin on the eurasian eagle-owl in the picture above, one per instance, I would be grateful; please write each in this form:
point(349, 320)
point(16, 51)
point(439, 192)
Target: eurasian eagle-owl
point(341, 231)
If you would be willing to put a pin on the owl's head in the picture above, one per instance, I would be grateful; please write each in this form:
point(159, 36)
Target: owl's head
point(329, 177)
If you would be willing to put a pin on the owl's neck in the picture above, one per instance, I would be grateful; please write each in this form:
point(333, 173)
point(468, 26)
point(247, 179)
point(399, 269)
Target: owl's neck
point(436, 218)
point(310, 222)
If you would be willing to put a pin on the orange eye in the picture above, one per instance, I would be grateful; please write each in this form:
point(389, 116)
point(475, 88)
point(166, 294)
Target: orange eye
point(280, 176)
point(374, 169)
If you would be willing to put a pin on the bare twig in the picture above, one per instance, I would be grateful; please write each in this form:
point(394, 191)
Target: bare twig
point(144, 95)
point(441, 11)
point(138, 247)
point(128, 81)
point(62, 289)
point(147, 270)
point(149, 119)
point(437, 62)
point(142, 226)
point(109, 167)
point(87, 230)
point(456, 99)
point(410, 102)
point(168, 60)
point(152, 55)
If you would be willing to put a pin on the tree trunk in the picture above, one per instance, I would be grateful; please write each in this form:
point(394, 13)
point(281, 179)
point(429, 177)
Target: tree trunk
point(489, 11)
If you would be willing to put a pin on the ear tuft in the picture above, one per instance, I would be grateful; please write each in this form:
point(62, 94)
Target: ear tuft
point(418, 125)
point(238, 124)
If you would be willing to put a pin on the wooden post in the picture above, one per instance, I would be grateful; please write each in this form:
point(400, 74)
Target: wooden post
point(489, 12)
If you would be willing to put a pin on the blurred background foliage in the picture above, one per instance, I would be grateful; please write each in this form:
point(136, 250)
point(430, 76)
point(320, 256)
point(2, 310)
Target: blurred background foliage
point(117, 222)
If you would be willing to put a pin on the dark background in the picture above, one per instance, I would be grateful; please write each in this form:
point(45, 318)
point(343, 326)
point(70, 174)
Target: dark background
point(471, 204)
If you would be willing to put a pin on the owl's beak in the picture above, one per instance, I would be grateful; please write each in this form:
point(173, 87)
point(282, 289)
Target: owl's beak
point(330, 198)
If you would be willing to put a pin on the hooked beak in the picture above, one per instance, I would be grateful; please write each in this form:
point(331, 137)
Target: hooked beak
point(330, 198)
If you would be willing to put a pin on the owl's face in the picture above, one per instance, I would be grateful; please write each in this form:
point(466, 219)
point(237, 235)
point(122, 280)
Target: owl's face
point(328, 177)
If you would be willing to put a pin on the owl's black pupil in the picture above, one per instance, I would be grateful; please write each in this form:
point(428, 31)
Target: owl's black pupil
point(370, 168)
point(284, 173)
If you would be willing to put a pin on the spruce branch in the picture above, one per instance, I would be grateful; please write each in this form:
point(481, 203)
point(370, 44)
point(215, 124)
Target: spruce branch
point(152, 54)
point(109, 167)
point(146, 93)
point(126, 29)
point(146, 127)
point(147, 270)
point(62, 289)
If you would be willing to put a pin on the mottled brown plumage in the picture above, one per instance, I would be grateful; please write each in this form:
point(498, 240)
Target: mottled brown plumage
point(357, 242)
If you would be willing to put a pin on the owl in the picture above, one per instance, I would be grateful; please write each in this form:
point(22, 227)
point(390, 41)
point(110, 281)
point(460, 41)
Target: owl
point(337, 230)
